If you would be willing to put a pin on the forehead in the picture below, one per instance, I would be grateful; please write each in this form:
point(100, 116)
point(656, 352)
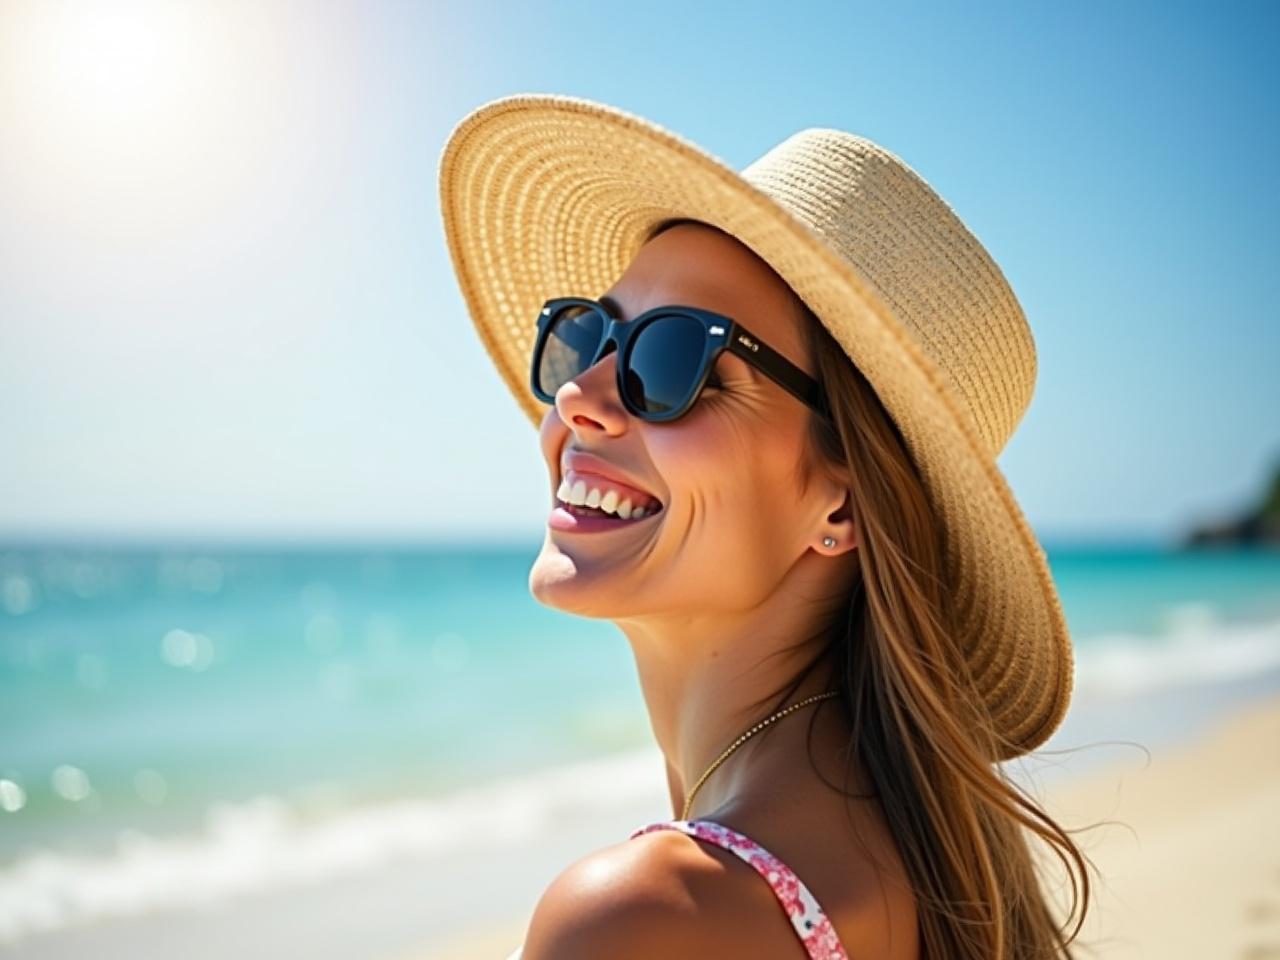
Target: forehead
point(698, 266)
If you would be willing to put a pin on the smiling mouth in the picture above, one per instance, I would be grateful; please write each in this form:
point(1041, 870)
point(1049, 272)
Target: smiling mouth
point(586, 495)
point(582, 510)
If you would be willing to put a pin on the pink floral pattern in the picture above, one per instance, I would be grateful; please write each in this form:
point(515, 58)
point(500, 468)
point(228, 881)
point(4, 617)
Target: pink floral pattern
point(811, 924)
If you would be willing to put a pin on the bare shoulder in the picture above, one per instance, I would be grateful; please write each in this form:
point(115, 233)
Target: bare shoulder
point(668, 894)
point(663, 893)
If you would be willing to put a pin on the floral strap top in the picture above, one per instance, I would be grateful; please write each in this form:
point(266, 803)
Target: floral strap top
point(807, 918)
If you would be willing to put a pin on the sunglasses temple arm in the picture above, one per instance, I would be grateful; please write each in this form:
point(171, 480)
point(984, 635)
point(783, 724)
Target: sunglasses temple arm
point(779, 369)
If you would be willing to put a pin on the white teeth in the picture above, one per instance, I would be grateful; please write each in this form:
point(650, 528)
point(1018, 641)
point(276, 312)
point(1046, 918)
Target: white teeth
point(610, 502)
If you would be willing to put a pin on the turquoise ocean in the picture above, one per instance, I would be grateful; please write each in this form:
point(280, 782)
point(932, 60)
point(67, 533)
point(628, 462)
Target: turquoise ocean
point(158, 699)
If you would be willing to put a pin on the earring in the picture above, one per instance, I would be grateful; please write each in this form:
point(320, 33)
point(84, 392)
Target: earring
point(828, 541)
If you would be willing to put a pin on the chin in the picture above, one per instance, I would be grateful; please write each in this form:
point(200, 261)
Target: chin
point(557, 581)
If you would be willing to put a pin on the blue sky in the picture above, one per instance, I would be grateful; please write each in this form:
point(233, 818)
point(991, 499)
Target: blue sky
point(227, 311)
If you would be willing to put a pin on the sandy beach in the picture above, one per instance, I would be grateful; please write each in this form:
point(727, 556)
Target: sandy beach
point(1188, 856)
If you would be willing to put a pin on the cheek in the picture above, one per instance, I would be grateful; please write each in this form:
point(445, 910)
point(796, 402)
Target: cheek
point(737, 531)
point(735, 481)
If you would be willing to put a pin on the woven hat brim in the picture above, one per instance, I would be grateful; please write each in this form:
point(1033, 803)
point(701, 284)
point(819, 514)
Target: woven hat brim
point(548, 195)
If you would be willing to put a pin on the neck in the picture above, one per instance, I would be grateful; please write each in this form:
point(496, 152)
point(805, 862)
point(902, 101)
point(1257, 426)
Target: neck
point(706, 683)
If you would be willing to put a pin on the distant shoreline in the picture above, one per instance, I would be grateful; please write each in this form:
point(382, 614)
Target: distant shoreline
point(1258, 525)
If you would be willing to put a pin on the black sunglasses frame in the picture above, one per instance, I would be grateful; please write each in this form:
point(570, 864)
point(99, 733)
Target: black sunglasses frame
point(721, 333)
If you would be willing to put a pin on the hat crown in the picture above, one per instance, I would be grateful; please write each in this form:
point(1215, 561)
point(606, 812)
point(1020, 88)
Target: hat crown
point(911, 250)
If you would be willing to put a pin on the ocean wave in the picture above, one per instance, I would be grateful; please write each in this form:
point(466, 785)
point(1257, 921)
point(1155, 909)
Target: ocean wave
point(1197, 646)
point(263, 844)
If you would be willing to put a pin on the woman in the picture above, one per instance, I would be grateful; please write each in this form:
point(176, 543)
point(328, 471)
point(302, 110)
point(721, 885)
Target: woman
point(769, 404)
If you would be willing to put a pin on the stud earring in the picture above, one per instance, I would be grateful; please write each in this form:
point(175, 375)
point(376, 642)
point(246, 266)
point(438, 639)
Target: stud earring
point(828, 541)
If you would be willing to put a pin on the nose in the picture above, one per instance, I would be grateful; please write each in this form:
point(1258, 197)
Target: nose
point(590, 400)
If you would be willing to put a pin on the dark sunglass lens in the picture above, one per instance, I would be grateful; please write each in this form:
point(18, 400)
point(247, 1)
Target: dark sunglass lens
point(571, 342)
point(663, 363)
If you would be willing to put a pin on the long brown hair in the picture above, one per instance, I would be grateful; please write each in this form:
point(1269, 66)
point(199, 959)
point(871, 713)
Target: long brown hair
point(918, 725)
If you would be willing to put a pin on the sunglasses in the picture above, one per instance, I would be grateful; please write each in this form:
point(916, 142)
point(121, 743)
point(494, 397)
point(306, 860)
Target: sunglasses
point(665, 355)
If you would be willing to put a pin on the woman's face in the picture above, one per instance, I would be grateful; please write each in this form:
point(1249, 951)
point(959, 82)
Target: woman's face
point(732, 521)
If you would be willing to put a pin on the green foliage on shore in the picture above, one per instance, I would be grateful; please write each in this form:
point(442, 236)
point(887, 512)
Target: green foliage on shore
point(1259, 525)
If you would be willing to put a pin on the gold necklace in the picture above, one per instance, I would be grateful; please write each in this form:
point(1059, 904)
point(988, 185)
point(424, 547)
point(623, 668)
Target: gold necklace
point(743, 739)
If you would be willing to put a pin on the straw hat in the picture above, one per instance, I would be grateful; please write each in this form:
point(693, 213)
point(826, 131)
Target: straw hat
point(546, 195)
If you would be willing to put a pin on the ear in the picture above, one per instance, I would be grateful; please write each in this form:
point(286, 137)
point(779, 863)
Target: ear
point(840, 526)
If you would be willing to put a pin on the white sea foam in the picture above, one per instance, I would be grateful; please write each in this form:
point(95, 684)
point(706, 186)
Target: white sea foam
point(1196, 648)
point(262, 844)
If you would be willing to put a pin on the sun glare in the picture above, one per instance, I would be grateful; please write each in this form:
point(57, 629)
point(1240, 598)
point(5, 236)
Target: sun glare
point(98, 74)
point(128, 124)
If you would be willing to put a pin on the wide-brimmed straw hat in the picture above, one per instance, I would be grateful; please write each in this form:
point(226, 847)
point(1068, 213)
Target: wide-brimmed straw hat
point(548, 195)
